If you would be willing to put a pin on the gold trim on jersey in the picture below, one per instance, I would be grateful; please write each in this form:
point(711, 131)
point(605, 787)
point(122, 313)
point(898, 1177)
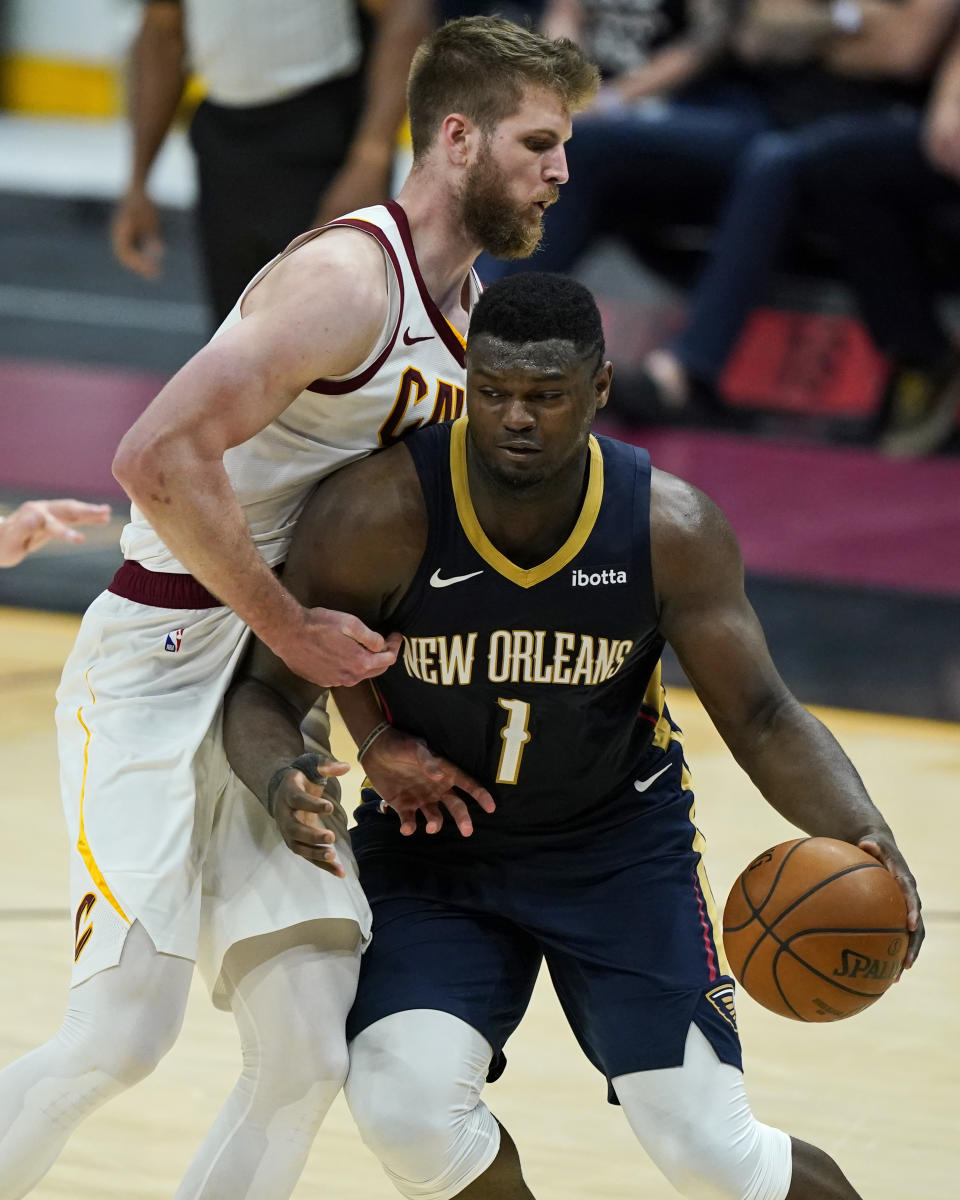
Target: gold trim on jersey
point(523, 577)
point(713, 913)
point(83, 846)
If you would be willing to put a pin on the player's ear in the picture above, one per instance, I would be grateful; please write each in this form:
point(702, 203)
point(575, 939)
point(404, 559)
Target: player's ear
point(459, 137)
point(601, 383)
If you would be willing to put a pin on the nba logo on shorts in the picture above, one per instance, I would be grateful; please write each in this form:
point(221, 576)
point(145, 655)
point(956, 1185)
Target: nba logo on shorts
point(172, 644)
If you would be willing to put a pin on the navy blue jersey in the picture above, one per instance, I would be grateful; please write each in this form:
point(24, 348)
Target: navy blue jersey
point(543, 683)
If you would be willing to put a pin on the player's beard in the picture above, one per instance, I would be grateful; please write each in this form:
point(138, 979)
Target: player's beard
point(502, 227)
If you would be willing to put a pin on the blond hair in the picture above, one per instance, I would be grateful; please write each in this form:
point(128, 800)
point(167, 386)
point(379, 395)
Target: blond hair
point(479, 66)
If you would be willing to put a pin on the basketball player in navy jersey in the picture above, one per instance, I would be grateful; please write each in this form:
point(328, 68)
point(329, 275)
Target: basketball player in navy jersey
point(535, 573)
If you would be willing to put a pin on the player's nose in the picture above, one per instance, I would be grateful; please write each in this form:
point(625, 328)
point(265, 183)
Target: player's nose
point(555, 165)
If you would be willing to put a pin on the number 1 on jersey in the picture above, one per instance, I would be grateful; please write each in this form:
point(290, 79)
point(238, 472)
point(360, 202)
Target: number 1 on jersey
point(515, 736)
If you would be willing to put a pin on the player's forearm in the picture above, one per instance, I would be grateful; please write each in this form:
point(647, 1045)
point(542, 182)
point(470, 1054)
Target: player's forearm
point(187, 498)
point(666, 71)
point(261, 733)
point(403, 24)
point(156, 82)
point(802, 771)
point(360, 710)
point(895, 40)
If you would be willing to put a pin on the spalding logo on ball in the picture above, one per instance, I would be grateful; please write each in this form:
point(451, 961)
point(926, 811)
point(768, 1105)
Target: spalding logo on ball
point(815, 929)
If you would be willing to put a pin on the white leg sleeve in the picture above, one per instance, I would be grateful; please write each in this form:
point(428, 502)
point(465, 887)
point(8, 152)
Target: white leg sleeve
point(119, 1024)
point(290, 993)
point(414, 1091)
point(695, 1123)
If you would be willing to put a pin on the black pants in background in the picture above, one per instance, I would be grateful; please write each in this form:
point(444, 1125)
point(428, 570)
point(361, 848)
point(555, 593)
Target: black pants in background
point(261, 172)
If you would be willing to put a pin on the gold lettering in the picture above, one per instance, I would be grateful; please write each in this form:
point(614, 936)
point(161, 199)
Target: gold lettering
point(498, 656)
point(603, 660)
point(563, 644)
point(522, 653)
point(428, 650)
point(410, 657)
point(583, 671)
point(456, 660)
point(410, 381)
point(541, 674)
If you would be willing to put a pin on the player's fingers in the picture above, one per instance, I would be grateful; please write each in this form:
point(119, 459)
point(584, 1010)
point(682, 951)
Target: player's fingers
point(432, 815)
point(55, 530)
point(77, 512)
point(324, 858)
point(309, 827)
point(298, 799)
point(472, 788)
point(913, 949)
point(355, 629)
point(460, 813)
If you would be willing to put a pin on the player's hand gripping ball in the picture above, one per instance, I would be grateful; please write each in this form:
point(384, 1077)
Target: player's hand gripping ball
point(815, 929)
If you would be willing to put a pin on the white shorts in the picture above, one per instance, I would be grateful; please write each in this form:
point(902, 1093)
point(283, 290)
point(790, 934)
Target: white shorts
point(161, 831)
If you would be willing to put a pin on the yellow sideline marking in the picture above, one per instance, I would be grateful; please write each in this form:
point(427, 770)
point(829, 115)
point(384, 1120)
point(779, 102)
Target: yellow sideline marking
point(82, 844)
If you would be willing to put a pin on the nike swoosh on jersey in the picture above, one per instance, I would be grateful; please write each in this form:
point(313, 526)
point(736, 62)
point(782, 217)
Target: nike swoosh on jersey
point(437, 581)
point(411, 341)
point(642, 784)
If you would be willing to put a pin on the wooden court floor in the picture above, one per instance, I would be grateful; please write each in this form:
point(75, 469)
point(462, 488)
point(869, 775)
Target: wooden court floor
point(881, 1092)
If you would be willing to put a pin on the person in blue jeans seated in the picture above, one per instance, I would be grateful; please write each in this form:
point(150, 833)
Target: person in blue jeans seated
point(844, 148)
point(536, 572)
point(662, 133)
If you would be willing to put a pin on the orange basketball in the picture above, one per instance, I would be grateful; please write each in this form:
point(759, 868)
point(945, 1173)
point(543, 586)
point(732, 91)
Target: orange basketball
point(815, 929)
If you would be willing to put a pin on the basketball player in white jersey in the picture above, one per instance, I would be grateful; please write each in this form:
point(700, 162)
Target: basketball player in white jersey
point(346, 341)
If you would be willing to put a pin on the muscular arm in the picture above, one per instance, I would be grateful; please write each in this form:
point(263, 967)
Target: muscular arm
point(364, 177)
point(356, 547)
point(317, 313)
point(792, 758)
point(156, 80)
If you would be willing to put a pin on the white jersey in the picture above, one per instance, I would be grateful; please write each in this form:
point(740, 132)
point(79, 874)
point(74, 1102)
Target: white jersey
point(414, 376)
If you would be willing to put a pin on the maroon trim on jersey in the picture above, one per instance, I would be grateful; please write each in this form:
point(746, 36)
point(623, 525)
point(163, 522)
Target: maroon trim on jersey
point(160, 589)
point(437, 319)
point(339, 387)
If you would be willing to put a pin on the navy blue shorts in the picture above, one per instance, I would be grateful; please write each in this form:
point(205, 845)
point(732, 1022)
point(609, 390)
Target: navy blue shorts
point(622, 913)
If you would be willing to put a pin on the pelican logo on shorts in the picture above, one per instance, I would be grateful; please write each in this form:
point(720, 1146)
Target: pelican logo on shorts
point(172, 644)
point(721, 997)
point(84, 908)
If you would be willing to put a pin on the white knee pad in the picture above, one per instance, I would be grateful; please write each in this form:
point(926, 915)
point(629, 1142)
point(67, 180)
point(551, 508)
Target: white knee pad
point(695, 1123)
point(414, 1091)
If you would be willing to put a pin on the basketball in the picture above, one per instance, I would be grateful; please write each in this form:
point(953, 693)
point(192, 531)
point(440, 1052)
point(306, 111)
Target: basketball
point(815, 929)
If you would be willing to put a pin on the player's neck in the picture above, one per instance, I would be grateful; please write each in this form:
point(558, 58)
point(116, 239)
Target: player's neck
point(443, 249)
point(528, 524)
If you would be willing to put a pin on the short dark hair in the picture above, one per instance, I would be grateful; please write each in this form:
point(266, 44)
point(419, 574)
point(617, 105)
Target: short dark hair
point(479, 66)
point(537, 307)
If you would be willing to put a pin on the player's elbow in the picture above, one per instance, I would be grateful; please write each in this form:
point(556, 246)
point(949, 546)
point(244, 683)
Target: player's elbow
point(142, 463)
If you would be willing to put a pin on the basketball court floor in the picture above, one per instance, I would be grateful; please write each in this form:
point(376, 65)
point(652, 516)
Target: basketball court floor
point(880, 1091)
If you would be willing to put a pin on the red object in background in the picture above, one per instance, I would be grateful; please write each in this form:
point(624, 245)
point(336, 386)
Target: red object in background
point(822, 365)
point(62, 422)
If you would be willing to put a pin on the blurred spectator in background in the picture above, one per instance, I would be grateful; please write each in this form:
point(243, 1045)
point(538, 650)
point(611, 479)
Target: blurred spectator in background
point(843, 86)
point(293, 130)
point(658, 143)
point(37, 522)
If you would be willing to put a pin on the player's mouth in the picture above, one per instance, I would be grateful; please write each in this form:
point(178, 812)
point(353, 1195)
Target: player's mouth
point(519, 450)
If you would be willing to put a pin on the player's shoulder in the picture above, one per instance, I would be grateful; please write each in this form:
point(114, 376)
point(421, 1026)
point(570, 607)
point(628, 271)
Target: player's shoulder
point(380, 490)
point(682, 517)
point(339, 270)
